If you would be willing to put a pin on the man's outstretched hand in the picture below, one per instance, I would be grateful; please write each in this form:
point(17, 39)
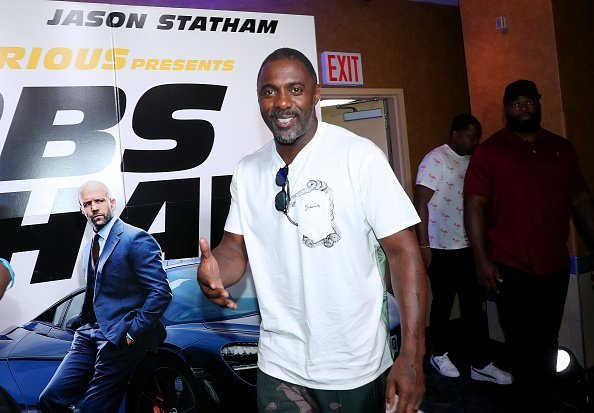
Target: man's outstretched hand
point(209, 278)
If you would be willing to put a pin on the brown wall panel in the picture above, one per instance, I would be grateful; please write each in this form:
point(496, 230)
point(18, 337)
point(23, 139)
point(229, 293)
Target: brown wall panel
point(526, 51)
point(575, 43)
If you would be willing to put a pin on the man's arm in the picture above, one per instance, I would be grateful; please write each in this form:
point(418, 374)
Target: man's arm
point(148, 267)
point(582, 211)
point(474, 223)
point(222, 267)
point(421, 197)
point(4, 279)
point(410, 289)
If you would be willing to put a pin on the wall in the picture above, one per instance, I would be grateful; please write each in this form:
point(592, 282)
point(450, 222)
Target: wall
point(409, 45)
point(575, 41)
point(527, 51)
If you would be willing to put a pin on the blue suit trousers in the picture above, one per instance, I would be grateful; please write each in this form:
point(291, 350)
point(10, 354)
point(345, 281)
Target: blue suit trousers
point(93, 375)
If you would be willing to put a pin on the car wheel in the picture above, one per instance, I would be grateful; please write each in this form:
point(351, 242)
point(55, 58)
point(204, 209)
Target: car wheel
point(164, 386)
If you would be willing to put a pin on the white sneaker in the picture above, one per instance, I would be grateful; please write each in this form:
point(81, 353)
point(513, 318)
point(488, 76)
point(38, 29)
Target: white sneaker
point(444, 366)
point(491, 373)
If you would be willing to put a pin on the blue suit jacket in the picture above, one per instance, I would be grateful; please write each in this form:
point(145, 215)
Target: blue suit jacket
point(131, 289)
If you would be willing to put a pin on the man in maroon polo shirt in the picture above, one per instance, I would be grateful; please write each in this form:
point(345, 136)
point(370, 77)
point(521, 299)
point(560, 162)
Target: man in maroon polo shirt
point(522, 186)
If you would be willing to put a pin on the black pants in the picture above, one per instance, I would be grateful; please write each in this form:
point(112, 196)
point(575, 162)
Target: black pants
point(452, 272)
point(530, 311)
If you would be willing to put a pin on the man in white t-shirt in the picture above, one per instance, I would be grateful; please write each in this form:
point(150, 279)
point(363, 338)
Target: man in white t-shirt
point(447, 254)
point(308, 210)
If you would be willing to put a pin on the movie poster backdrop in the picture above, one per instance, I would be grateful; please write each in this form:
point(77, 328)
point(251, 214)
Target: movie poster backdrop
point(158, 103)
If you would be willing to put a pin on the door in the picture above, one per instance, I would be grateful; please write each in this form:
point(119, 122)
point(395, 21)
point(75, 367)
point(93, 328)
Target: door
point(376, 114)
point(364, 117)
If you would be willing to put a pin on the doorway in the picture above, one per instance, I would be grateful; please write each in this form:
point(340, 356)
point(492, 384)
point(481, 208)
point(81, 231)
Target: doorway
point(376, 114)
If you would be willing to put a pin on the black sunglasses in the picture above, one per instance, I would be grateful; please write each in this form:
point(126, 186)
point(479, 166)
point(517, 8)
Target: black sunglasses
point(281, 200)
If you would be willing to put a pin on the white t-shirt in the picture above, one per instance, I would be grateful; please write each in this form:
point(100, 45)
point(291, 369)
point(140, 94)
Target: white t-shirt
point(318, 284)
point(443, 171)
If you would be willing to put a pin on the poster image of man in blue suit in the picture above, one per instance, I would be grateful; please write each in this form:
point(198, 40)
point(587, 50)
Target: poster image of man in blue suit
point(127, 292)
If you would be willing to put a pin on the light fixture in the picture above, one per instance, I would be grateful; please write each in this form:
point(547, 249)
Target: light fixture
point(363, 114)
point(334, 102)
point(357, 114)
point(565, 359)
point(573, 384)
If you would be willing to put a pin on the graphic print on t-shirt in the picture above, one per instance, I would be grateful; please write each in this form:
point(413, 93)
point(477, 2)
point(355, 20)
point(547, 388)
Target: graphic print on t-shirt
point(312, 210)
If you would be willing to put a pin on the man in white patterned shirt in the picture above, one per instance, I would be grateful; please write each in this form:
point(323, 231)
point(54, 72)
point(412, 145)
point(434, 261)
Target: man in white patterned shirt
point(446, 252)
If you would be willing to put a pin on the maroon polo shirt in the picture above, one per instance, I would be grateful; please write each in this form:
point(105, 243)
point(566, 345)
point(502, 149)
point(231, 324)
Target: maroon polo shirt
point(528, 187)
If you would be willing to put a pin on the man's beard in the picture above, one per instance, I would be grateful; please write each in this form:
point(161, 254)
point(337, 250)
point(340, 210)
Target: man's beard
point(287, 137)
point(107, 217)
point(530, 125)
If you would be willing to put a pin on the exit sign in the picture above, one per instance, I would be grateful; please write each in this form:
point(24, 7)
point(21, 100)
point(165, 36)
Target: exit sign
point(339, 68)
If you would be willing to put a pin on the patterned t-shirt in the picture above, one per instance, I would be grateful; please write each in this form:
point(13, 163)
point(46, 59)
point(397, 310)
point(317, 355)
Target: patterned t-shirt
point(317, 277)
point(443, 170)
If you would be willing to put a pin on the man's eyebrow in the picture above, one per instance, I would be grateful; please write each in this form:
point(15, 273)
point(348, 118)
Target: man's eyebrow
point(288, 84)
point(267, 86)
point(296, 83)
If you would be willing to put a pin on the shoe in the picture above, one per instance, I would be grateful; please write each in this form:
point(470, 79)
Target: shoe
point(444, 366)
point(491, 373)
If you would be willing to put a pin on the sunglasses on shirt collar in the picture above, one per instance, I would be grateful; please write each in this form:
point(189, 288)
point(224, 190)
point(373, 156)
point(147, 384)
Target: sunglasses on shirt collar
point(281, 200)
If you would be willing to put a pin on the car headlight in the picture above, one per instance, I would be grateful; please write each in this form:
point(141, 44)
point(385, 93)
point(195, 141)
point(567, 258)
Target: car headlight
point(242, 358)
point(240, 355)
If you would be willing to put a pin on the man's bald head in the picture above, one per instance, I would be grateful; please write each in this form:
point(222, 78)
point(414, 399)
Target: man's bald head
point(96, 203)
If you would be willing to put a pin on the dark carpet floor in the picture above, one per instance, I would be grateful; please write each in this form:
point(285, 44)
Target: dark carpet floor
point(464, 395)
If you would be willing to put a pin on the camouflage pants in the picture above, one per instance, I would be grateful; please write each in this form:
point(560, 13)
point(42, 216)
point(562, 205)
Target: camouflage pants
point(277, 396)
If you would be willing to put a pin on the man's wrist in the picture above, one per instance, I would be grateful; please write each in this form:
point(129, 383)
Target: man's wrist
point(9, 269)
point(129, 337)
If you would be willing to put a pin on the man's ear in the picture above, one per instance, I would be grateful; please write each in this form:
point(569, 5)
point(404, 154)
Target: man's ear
point(82, 211)
point(317, 93)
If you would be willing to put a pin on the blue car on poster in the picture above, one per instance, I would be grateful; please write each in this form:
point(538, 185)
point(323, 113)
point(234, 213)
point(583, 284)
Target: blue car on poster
point(207, 362)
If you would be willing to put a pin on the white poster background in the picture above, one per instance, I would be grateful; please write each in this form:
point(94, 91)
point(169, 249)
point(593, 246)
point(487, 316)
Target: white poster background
point(238, 127)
